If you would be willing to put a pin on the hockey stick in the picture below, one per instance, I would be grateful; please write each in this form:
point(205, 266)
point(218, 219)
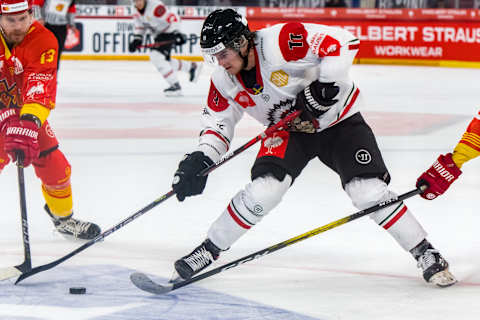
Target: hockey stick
point(143, 282)
point(157, 44)
point(278, 126)
point(10, 272)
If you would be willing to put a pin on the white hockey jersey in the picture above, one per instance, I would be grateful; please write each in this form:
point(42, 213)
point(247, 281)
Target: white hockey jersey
point(288, 58)
point(55, 12)
point(155, 19)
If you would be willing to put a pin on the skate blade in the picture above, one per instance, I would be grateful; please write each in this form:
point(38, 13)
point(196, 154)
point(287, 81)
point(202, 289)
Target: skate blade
point(443, 279)
point(173, 94)
point(60, 235)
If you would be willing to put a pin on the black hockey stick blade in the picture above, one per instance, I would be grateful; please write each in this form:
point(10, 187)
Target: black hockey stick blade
point(98, 238)
point(143, 282)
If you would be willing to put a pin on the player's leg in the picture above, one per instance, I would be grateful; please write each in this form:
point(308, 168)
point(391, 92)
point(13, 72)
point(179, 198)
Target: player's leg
point(54, 171)
point(163, 65)
point(278, 163)
point(365, 178)
point(191, 67)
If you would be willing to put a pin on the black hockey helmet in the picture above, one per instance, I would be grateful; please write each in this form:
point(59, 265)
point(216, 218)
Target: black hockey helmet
point(223, 28)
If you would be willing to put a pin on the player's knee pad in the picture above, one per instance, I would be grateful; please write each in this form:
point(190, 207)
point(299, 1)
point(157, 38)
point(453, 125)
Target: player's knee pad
point(396, 219)
point(259, 197)
point(365, 193)
point(247, 208)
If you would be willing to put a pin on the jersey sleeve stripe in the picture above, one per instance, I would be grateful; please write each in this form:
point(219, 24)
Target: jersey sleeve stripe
point(219, 136)
point(356, 92)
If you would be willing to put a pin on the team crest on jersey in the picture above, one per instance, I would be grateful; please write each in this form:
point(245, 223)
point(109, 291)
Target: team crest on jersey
point(279, 78)
point(60, 7)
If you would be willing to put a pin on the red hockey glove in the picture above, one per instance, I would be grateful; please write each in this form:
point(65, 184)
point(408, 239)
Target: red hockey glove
point(439, 177)
point(7, 114)
point(21, 136)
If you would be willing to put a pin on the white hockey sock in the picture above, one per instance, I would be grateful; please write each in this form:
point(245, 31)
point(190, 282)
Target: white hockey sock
point(246, 209)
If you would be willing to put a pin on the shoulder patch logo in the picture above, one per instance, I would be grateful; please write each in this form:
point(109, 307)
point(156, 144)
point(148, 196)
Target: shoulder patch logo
point(279, 78)
point(324, 45)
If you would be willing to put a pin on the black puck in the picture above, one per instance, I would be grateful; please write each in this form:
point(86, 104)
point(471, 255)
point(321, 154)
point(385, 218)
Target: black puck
point(78, 290)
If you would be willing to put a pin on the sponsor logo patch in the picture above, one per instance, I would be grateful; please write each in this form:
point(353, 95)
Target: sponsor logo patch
point(362, 156)
point(279, 78)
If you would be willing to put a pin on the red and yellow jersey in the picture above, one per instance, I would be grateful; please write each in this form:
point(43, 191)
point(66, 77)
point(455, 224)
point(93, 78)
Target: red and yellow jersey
point(469, 146)
point(28, 73)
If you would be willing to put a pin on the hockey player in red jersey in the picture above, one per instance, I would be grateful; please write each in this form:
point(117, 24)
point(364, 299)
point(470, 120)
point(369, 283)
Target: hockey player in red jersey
point(153, 16)
point(446, 169)
point(268, 74)
point(28, 83)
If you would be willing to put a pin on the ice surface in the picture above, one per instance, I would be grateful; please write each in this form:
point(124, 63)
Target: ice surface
point(124, 140)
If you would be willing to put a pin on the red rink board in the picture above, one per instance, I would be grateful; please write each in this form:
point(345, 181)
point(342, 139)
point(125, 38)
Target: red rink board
point(419, 34)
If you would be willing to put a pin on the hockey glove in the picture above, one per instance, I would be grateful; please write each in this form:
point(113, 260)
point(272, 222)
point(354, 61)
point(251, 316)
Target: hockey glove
point(135, 44)
point(180, 38)
point(186, 181)
point(316, 99)
point(6, 115)
point(439, 177)
point(21, 136)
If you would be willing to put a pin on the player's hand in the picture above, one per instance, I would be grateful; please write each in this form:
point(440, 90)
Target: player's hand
point(439, 177)
point(21, 136)
point(186, 181)
point(316, 99)
point(6, 115)
point(134, 45)
point(180, 38)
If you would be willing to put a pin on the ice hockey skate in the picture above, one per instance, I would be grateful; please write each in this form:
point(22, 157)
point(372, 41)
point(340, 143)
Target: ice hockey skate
point(435, 268)
point(195, 71)
point(196, 261)
point(174, 90)
point(73, 227)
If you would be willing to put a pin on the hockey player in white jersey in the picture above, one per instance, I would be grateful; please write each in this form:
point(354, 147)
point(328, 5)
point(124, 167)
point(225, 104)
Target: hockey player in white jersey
point(267, 74)
point(154, 17)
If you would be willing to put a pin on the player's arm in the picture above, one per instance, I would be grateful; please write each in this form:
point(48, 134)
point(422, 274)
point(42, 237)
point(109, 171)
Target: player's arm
point(218, 119)
point(446, 168)
point(139, 33)
point(469, 145)
point(332, 50)
point(38, 10)
point(40, 79)
point(71, 15)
